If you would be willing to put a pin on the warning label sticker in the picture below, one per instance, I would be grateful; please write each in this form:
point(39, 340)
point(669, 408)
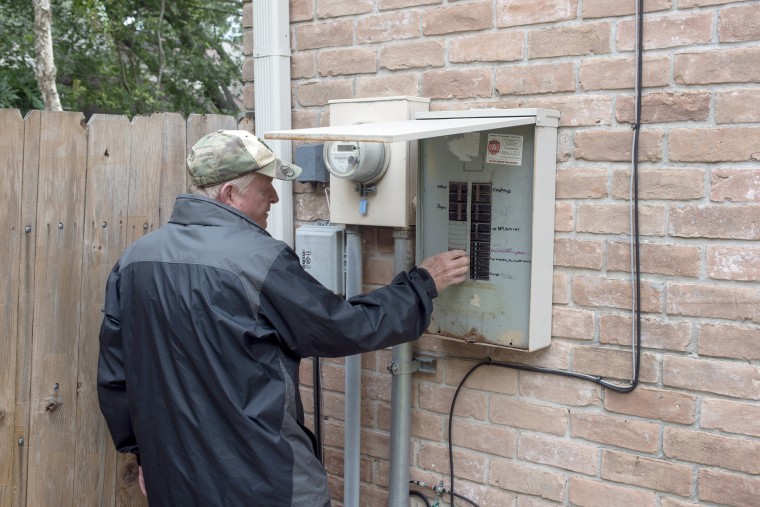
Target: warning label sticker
point(504, 149)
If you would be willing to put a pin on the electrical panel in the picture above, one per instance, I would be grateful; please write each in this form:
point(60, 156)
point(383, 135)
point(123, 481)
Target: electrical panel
point(320, 248)
point(485, 185)
point(491, 193)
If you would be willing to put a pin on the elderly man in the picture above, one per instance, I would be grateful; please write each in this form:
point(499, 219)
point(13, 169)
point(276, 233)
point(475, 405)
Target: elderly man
point(206, 321)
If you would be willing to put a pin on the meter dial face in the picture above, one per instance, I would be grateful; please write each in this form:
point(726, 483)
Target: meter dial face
point(358, 161)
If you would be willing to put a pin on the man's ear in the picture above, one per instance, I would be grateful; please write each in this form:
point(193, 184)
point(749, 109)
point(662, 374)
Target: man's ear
point(225, 194)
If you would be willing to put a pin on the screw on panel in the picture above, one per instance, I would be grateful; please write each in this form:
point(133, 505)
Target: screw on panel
point(60, 225)
point(105, 224)
point(145, 226)
point(21, 441)
point(28, 228)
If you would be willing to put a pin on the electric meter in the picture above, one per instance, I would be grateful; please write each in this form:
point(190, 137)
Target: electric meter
point(358, 161)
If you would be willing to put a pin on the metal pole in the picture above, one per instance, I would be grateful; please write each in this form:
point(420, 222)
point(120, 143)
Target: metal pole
point(401, 387)
point(352, 438)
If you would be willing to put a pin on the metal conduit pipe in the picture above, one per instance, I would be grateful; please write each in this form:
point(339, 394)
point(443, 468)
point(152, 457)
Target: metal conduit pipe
point(353, 378)
point(401, 387)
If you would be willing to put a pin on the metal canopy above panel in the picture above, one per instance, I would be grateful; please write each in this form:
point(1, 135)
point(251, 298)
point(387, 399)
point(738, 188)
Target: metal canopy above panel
point(395, 131)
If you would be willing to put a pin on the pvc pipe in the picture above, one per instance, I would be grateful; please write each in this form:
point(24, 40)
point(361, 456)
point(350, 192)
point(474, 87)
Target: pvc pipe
point(401, 388)
point(271, 70)
point(353, 379)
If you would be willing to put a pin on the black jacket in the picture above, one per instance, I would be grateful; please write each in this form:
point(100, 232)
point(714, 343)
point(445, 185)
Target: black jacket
point(206, 320)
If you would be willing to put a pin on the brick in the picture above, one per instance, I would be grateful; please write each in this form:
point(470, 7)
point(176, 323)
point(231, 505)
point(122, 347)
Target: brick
point(303, 119)
point(573, 324)
point(438, 399)
point(716, 221)
point(667, 31)
point(517, 13)
point(563, 216)
point(720, 377)
point(585, 39)
point(559, 288)
point(658, 404)
point(247, 70)
point(737, 106)
point(533, 79)
point(666, 107)
point(733, 263)
point(609, 8)
point(646, 472)
point(717, 486)
point(531, 501)
point(727, 340)
point(729, 65)
point(399, 4)
point(620, 73)
point(309, 207)
point(655, 333)
point(560, 389)
point(337, 8)
point(467, 464)
point(617, 364)
point(557, 356)
point(303, 65)
point(575, 110)
point(485, 438)
point(411, 55)
point(660, 258)
point(680, 184)
point(324, 35)
point(391, 26)
point(558, 452)
point(735, 185)
point(387, 86)
point(249, 97)
point(485, 378)
point(318, 93)
point(704, 448)
point(730, 416)
point(487, 47)
point(674, 502)
point(373, 496)
point(732, 303)
point(590, 493)
point(426, 425)
point(247, 42)
point(347, 61)
point(736, 144)
point(517, 477)
point(247, 15)
point(581, 183)
point(615, 219)
point(459, 84)
point(737, 24)
point(578, 253)
point(615, 145)
point(301, 10)
point(616, 431)
point(457, 18)
point(376, 385)
point(520, 414)
point(614, 293)
point(686, 4)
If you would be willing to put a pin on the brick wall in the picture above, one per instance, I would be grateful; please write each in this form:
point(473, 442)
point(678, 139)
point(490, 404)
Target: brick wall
point(690, 434)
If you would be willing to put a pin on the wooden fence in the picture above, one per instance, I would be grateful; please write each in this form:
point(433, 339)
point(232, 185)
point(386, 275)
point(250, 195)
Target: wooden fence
point(74, 195)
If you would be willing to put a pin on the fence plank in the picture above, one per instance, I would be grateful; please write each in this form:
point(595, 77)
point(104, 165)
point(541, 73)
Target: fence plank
point(58, 261)
point(11, 165)
point(108, 164)
point(172, 164)
point(26, 304)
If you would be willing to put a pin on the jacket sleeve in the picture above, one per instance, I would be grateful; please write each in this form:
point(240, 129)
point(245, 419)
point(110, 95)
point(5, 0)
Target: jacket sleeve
point(311, 320)
point(112, 384)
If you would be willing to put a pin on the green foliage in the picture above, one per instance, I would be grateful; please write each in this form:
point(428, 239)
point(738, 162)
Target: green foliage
point(127, 57)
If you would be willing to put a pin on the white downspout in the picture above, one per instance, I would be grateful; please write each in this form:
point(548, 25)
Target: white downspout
point(271, 70)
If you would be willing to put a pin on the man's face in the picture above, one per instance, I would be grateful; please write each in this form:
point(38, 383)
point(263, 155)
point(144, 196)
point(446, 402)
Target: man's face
point(256, 200)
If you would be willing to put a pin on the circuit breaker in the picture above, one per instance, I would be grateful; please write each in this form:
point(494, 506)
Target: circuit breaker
point(485, 185)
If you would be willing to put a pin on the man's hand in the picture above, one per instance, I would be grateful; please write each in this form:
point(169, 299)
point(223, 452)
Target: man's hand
point(447, 268)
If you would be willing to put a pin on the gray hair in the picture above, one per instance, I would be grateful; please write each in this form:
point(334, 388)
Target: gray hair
point(240, 184)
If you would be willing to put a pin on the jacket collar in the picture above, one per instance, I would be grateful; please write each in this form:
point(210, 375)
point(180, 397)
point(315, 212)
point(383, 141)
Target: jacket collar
point(190, 209)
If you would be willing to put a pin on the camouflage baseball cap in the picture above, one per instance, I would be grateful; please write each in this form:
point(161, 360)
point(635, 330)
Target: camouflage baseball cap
point(228, 154)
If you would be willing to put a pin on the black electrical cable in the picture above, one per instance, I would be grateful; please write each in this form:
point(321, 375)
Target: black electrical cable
point(637, 269)
point(419, 494)
point(440, 489)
